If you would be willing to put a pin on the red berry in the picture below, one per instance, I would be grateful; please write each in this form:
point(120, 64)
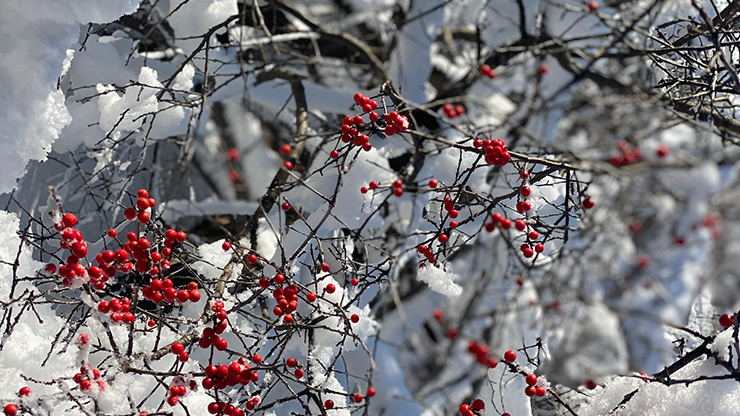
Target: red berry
point(590, 384)
point(531, 379)
point(24, 391)
point(543, 69)
point(726, 321)
point(330, 288)
point(329, 404)
point(311, 297)
point(663, 149)
point(525, 191)
point(298, 373)
point(540, 391)
point(478, 405)
point(69, 220)
point(112, 233)
point(588, 203)
point(363, 190)
point(173, 400)
point(226, 246)
point(11, 409)
point(252, 259)
point(443, 238)
point(398, 191)
point(177, 348)
point(355, 318)
point(357, 398)
point(285, 149)
point(334, 154)
point(325, 267)
point(530, 391)
point(143, 217)
point(439, 314)
point(433, 183)
point(370, 391)
point(593, 6)
point(288, 165)
point(510, 356)
point(520, 225)
point(291, 362)
point(129, 213)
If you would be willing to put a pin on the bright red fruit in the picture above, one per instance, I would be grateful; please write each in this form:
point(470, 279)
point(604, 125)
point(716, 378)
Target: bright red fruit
point(510, 356)
point(726, 321)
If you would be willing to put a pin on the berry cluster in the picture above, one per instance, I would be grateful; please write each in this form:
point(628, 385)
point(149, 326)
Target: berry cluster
point(286, 298)
point(222, 376)
point(481, 352)
point(426, 252)
point(292, 363)
point(353, 127)
point(144, 205)
point(210, 336)
point(397, 187)
point(487, 71)
point(87, 376)
point(495, 151)
point(178, 349)
point(179, 389)
point(626, 155)
point(532, 388)
point(119, 309)
point(163, 290)
point(452, 111)
point(72, 272)
point(477, 407)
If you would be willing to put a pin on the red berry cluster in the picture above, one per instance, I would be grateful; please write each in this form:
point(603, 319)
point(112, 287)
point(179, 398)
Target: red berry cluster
point(495, 151)
point(487, 71)
point(163, 290)
point(222, 376)
point(210, 336)
point(87, 376)
point(626, 156)
point(478, 407)
point(144, 205)
point(72, 272)
point(286, 298)
point(481, 352)
point(397, 187)
point(292, 363)
point(178, 349)
point(396, 123)
point(532, 389)
point(119, 309)
point(452, 111)
point(427, 252)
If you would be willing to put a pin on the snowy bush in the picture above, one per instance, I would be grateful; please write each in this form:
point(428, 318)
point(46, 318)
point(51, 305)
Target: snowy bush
point(377, 208)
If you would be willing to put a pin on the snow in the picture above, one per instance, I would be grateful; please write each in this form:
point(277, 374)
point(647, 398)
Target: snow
point(439, 280)
point(214, 259)
point(29, 70)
